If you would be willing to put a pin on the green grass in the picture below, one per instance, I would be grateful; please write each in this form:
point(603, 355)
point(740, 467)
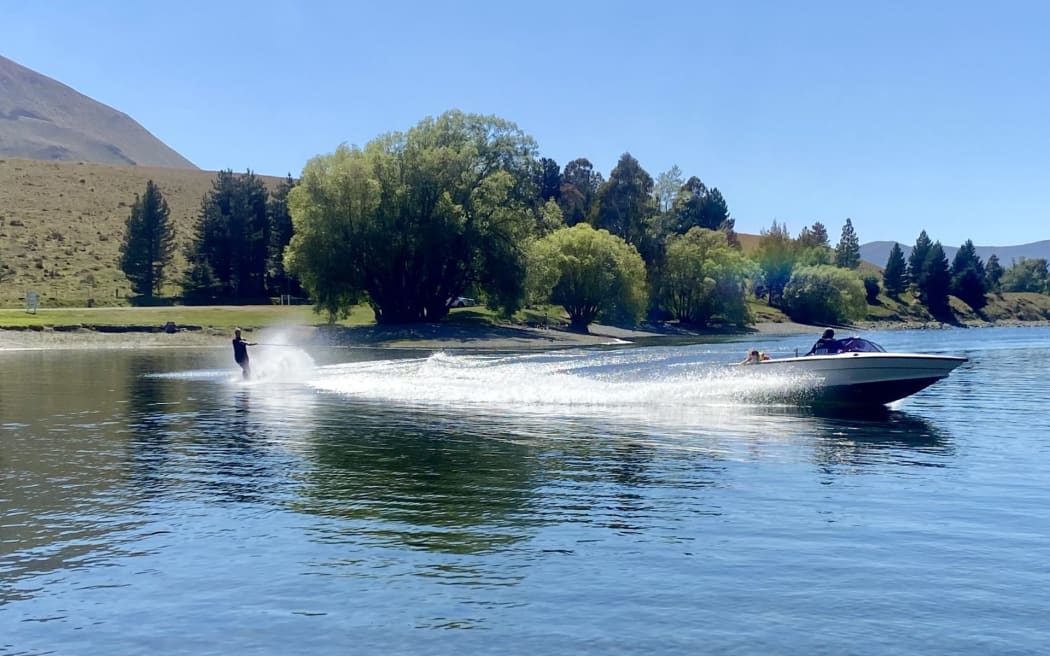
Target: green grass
point(762, 312)
point(227, 317)
point(219, 317)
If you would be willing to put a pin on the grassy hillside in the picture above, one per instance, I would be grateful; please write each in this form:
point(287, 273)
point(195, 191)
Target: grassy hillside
point(61, 224)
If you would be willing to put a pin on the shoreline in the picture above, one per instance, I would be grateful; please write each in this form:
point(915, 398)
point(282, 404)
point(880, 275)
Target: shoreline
point(487, 337)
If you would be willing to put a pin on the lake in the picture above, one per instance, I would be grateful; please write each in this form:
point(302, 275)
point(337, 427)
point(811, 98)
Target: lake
point(622, 499)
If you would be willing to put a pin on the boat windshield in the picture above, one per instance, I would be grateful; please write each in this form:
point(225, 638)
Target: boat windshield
point(847, 345)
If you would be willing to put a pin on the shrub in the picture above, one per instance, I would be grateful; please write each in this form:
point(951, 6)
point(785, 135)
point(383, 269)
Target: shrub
point(824, 294)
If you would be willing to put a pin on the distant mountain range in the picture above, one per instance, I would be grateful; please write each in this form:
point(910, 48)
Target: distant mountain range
point(41, 118)
point(878, 252)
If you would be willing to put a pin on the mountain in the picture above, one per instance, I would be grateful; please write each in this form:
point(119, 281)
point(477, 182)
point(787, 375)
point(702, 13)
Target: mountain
point(41, 118)
point(878, 252)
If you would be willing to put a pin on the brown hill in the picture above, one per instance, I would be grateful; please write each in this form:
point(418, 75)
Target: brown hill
point(41, 118)
point(61, 224)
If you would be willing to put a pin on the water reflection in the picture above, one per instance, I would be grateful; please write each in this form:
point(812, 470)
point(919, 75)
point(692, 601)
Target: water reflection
point(862, 442)
point(400, 477)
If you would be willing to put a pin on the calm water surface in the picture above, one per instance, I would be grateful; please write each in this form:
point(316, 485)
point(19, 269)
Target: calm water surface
point(619, 500)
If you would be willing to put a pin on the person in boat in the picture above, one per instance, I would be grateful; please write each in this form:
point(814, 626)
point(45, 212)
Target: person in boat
point(240, 353)
point(826, 345)
point(755, 357)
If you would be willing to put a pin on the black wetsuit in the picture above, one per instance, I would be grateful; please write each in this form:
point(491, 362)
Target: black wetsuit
point(240, 355)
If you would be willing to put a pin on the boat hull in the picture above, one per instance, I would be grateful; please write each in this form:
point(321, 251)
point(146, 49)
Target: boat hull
point(860, 378)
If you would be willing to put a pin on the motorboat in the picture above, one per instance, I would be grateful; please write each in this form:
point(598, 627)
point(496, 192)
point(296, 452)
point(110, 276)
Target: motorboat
point(856, 371)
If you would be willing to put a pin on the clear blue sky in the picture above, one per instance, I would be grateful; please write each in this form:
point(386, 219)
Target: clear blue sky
point(901, 115)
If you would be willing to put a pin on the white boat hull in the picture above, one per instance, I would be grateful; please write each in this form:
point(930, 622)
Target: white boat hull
point(860, 378)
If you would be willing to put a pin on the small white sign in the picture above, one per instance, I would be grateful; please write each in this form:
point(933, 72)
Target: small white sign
point(32, 302)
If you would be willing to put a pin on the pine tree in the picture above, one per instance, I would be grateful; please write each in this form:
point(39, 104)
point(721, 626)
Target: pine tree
point(968, 278)
point(895, 277)
point(149, 242)
point(935, 280)
point(232, 238)
point(993, 273)
point(820, 235)
point(813, 237)
point(918, 257)
point(280, 235)
point(847, 253)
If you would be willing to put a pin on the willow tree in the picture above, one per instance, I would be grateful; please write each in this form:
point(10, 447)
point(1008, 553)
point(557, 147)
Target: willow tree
point(415, 218)
point(704, 277)
point(825, 294)
point(590, 273)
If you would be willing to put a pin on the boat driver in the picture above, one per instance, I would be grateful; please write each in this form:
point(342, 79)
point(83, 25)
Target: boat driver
point(826, 345)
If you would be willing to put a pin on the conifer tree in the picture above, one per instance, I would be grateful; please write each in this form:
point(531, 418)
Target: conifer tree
point(231, 240)
point(918, 257)
point(935, 280)
point(993, 273)
point(847, 253)
point(149, 242)
point(278, 280)
point(895, 277)
point(968, 278)
point(820, 234)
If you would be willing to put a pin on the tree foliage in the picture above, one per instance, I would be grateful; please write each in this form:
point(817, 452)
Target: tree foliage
point(229, 252)
point(871, 289)
point(813, 237)
point(704, 277)
point(625, 201)
point(579, 191)
point(935, 280)
point(776, 257)
point(414, 218)
point(281, 230)
point(824, 294)
point(697, 206)
point(968, 278)
point(847, 253)
point(993, 272)
point(667, 187)
point(547, 178)
point(917, 257)
point(895, 275)
point(149, 242)
point(590, 273)
point(1026, 275)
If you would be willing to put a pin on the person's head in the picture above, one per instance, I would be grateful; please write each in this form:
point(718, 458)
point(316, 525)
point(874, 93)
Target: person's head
point(236, 332)
point(828, 334)
point(753, 354)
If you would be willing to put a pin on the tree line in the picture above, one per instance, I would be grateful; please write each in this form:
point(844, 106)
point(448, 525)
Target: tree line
point(236, 251)
point(462, 204)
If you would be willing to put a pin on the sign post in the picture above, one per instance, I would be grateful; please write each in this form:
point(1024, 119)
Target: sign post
point(32, 302)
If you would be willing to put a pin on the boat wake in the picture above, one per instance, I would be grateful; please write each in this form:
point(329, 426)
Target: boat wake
point(570, 380)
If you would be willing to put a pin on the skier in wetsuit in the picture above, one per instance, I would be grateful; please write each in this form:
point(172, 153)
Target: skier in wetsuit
point(240, 353)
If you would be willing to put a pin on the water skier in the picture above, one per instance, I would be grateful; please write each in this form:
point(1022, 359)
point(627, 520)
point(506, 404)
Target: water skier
point(240, 353)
